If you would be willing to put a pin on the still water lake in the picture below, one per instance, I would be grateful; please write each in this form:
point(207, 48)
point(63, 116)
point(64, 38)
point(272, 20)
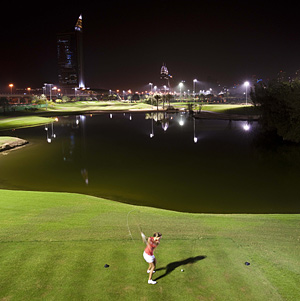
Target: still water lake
point(181, 164)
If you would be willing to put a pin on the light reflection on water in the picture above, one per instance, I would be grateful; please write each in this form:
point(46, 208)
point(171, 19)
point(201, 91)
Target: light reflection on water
point(168, 161)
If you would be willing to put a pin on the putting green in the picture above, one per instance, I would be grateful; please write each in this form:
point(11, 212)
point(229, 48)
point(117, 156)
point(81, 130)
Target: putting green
point(53, 246)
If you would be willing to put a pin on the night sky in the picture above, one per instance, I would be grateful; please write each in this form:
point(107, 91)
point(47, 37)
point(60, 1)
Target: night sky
point(126, 42)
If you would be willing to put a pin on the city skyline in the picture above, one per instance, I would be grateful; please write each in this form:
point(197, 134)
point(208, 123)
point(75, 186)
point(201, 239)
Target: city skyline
point(125, 44)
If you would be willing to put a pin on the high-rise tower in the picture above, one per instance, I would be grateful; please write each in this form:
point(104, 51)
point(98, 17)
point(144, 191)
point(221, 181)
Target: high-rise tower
point(78, 34)
point(70, 57)
point(164, 75)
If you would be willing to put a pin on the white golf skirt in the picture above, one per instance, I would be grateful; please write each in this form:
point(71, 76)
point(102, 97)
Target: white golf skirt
point(148, 258)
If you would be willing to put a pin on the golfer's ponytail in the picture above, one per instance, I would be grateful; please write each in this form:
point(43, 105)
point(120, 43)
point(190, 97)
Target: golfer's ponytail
point(157, 234)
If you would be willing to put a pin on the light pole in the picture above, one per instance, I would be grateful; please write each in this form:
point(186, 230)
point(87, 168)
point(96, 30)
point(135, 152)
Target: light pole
point(50, 91)
point(45, 84)
point(194, 87)
point(151, 85)
point(180, 87)
point(246, 84)
point(165, 87)
point(11, 86)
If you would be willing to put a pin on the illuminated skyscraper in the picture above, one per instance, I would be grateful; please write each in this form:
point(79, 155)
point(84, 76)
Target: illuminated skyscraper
point(70, 57)
point(164, 75)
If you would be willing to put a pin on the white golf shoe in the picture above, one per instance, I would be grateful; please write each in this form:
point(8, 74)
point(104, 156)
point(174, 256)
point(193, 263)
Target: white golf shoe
point(151, 282)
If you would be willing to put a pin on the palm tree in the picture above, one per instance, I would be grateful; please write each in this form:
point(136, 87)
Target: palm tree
point(157, 97)
point(168, 98)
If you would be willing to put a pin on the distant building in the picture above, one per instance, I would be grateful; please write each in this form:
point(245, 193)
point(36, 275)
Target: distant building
point(164, 75)
point(70, 57)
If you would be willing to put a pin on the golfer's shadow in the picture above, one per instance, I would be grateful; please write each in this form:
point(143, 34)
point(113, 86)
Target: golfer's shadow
point(174, 265)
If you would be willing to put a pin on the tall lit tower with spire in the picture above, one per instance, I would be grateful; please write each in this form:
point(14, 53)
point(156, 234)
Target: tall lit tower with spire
point(78, 34)
point(164, 74)
point(70, 57)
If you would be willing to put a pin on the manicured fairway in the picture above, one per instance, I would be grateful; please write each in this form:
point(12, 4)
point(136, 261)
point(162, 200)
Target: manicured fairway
point(82, 106)
point(231, 109)
point(53, 246)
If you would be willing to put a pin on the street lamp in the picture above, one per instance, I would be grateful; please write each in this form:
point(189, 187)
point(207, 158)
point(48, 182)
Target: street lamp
point(151, 85)
point(50, 90)
point(11, 86)
point(194, 87)
point(165, 87)
point(246, 84)
point(45, 84)
point(180, 87)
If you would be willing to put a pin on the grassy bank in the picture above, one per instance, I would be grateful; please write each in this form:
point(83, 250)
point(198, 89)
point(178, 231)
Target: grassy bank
point(4, 140)
point(54, 247)
point(11, 142)
point(21, 122)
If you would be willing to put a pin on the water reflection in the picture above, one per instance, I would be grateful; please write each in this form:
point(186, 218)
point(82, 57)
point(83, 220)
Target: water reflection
point(181, 121)
point(84, 171)
point(165, 120)
point(161, 118)
point(106, 155)
point(247, 126)
point(195, 137)
point(73, 135)
point(152, 130)
point(49, 128)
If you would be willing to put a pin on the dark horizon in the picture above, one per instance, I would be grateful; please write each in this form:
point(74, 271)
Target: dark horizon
point(125, 44)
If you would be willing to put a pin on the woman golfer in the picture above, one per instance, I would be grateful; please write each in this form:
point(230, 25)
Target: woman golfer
point(152, 243)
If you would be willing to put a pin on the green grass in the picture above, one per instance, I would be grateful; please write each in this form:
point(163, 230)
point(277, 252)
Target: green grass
point(53, 246)
point(10, 141)
point(5, 139)
point(239, 109)
point(231, 109)
point(90, 106)
point(82, 106)
point(21, 122)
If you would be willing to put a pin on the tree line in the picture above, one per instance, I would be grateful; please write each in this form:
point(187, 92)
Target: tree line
point(279, 103)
